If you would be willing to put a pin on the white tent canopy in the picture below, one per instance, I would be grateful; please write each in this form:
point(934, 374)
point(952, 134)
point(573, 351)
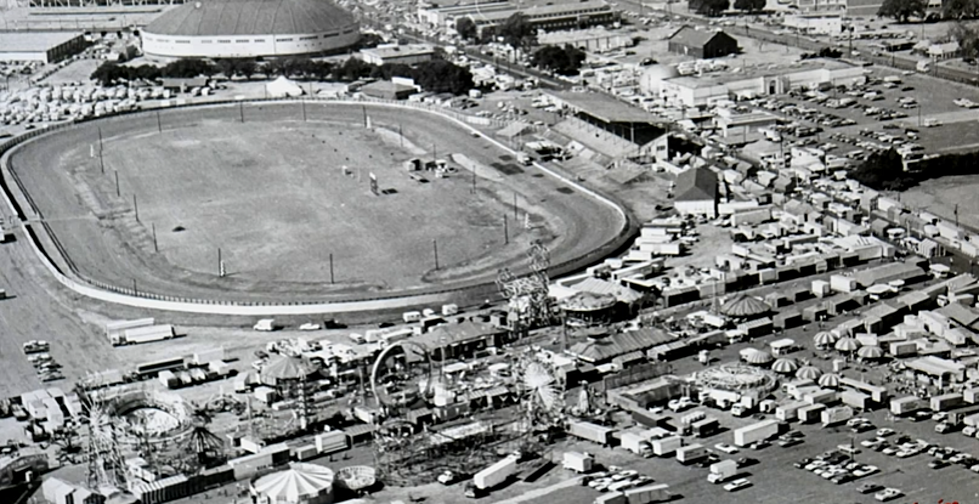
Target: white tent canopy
point(301, 483)
point(283, 87)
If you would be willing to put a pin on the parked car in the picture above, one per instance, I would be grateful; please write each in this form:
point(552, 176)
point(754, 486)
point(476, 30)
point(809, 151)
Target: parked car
point(737, 484)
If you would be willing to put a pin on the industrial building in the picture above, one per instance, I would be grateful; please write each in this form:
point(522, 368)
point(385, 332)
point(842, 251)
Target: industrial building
point(702, 44)
point(545, 17)
point(249, 29)
point(409, 54)
point(694, 91)
point(45, 47)
point(696, 192)
point(815, 23)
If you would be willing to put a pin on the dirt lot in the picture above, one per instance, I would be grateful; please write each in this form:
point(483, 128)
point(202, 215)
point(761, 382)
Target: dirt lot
point(305, 202)
point(940, 196)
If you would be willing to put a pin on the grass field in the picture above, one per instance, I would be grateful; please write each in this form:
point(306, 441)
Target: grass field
point(940, 197)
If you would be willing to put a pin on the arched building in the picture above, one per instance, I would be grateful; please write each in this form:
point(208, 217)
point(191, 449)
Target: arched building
point(249, 29)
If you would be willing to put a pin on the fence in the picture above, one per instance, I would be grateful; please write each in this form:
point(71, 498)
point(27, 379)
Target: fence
point(89, 287)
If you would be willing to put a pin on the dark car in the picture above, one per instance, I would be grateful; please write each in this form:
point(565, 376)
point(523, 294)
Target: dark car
point(938, 464)
point(746, 461)
point(785, 443)
point(802, 463)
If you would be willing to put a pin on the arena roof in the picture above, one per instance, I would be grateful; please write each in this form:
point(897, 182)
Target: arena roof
point(251, 17)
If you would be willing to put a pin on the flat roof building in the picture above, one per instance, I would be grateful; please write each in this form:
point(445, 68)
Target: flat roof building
point(409, 54)
point(546, 17)
point(46, 47)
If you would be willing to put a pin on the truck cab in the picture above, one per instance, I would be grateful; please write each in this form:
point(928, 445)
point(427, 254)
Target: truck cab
point(473, 492)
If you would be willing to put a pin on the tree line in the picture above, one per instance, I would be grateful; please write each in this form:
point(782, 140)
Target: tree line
point(884, 171)
point(437, 75)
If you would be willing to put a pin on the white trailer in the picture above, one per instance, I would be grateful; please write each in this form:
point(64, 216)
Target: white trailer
point(667, 446)
point(578, 462)
point(147, 334)
point(649, 494)
point(592, 432)
point(691, 453)
point(750, 434)
point(495, 474)
point(115, 330)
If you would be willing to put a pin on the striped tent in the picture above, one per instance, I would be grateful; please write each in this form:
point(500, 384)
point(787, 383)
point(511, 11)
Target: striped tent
point(847, 345)
point(825, 339)
point(870, 352)
point(829, 380)
point(785, 366)
point(756, 357)
point(808, 373)
point(743, 305)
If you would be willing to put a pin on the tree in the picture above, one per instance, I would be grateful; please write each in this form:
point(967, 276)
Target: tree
point(749, 5)
point(968, 38)
point(565, 60)
point(189, 68)
point(466, 28)
point(960, 9)
point(353, 69)
point(518, 32)
point(883, 172)
point(440, 76)
point(709, 7)
point(901, 10)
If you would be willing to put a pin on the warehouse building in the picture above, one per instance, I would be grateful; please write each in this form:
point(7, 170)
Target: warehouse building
point(489, 15)
point(45, 47)
point(696, 192)
point(701, 44)
point(409, 54)
point(250, 29)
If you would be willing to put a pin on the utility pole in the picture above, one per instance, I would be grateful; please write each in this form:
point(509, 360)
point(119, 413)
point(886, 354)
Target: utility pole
point(116, 172)
point(303, 101)
point(331, 268)
point(219, 262)
point(135, 208)
point(156, 246)
point(159, 123)
point(241, 111)
point(435, 248)
point(515, 208)
point(506, 230)
point(100, 139)
point(401, 135)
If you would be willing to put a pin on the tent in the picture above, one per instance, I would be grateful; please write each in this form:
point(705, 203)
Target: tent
point(785, 366)
point(284, 368)
point(824, 339)
point(300, 484)
point(829, 380)
point(283, 87)
point(755, 356)
point(847, 345)
point(742, 305)
point(870, 352)
point(808, 373)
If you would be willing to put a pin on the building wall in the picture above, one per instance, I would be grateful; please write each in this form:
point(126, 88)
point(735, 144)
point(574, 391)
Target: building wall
point(820, 25)
point(720, 46)
point(701, 207)
point(692, 51)
point(24, 56)
point(404, 59)
point(243, 46)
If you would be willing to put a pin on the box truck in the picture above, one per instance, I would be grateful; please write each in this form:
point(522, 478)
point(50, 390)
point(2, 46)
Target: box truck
point(906, 405)
point(690, 454)
point(637, 443)
point(492, 476)
point(722, 471)
point(750, 434)
point(649, 494)
point(946, 402)
point(146, 334)
point(592, 432)
point(787, 412)
point(834, 416)
point(578, 462)
point(706, 427)
point(811, 414)
point(666, 446)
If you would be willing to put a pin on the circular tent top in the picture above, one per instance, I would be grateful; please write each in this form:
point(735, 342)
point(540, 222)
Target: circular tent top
point(588, 301)
point(296, 484)
point(284, 367)
point(744, 306)
point(251, 17)
point(356, 477)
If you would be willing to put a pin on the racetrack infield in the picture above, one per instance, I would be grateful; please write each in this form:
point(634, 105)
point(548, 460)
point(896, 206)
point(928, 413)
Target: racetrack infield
point(269, 191)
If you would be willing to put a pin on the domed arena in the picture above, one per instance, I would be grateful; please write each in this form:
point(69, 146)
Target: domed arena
point(249, 29)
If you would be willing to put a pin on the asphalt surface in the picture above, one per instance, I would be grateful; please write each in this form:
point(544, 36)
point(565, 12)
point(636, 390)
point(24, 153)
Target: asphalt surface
point(583, 223)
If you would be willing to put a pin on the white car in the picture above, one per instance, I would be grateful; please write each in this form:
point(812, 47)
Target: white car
point(940, 416)
point(726, 448)
point(737, 484)
point(975, 468)
point(885, 432)
point(847, 449)
point(888, 494)
point(865, 471)
point(309, 326)
point(853, 422)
